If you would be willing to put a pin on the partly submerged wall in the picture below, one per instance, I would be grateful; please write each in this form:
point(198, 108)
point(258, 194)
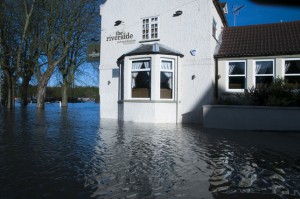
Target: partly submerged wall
point(251, 117)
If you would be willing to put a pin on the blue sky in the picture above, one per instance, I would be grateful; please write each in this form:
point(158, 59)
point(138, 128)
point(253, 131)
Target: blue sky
point(253, 13)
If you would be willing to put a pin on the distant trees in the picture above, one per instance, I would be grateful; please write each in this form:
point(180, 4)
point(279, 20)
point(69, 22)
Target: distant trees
point(39, 36)
point(74, 93)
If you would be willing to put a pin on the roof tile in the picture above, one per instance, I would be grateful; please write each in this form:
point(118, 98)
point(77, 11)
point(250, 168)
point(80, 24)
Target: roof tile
point(260, 40)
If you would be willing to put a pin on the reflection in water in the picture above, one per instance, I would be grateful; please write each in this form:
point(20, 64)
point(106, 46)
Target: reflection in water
point(146, 160)
point(71, 153)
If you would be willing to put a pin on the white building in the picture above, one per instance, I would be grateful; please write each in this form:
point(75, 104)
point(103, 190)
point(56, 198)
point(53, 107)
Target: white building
point(251, 56)
point(157, 59)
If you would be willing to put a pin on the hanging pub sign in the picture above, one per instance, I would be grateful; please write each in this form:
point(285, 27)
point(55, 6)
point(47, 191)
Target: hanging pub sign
point(121, 37)
point(93, 52)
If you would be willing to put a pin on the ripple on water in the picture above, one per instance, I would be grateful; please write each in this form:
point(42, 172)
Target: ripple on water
point(76, 156)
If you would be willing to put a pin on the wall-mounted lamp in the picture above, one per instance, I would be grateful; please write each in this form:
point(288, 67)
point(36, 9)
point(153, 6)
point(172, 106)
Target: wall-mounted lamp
point(219, 76)
point(108, 82)
point(194, 52)
point(118, 22)
point(177, 13)
point(193, 77)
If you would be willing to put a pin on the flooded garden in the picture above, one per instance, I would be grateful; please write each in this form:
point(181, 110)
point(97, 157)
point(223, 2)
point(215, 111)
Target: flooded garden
point(73, 153)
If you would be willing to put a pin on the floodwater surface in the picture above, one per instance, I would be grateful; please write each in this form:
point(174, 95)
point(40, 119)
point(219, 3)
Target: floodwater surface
point(72, 153)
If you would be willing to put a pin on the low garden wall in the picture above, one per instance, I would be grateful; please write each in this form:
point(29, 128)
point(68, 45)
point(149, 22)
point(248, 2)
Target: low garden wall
point(251, 117)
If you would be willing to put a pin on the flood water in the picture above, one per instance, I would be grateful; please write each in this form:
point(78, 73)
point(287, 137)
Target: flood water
point(72, 153)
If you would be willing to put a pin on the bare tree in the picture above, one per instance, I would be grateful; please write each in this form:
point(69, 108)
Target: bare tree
point(56, 38)
point(30, 58)
point(86, 26)
point(64, 21)
point(15, 19)
point(68, 68)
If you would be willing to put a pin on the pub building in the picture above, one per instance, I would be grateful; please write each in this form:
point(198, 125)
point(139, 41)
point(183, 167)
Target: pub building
point(161, 61)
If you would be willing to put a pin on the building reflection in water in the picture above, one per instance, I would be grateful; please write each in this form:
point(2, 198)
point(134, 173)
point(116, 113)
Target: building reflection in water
point(71, 153)
point(166, 160)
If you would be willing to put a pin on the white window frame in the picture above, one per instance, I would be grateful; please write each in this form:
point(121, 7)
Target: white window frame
point(283, 67)
point(140, 70)
point(168, 71)
point(263, 75)
point(148, 26)
point(227, 76)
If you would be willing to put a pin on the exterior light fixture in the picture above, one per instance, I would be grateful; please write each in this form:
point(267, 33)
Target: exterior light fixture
point(194, 52)
point(193, 77)
point(118, 22)
point(177, 13)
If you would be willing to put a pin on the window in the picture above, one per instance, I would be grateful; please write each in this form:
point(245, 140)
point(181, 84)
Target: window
point(264, 73)
point(214, 28)
point(166, 80)
point(237, 75)
point(292, 72)
point(141, 79)
point(150, 28)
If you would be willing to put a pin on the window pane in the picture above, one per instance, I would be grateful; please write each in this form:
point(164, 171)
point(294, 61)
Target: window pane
point(292, 67)
point(264, 67)
point(151, 27)
point(137, 65)
point(166, 85)
point(293, 80)
point(236, 82)
point(262, 81)
point(236, 68)
point(166, 65)
point(141, 79)
point(141, 82)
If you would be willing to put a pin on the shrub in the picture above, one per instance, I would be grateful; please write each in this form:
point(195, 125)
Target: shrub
point(278, 93)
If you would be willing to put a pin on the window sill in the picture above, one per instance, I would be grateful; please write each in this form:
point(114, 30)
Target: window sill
point(150, 40)
point(235, 90)
point(146, 101)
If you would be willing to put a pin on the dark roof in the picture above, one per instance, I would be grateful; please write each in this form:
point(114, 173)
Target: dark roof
point(260, 40)
point(147, 49)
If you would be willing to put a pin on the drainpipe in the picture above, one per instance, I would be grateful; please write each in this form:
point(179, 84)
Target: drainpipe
point(216, 90)
point(177, 88)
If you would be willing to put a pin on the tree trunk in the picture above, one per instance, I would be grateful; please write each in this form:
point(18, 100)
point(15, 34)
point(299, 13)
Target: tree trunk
point(42, 85)
point(10, 93)
point(24, 89)
point(40, 96)
point(64, 99)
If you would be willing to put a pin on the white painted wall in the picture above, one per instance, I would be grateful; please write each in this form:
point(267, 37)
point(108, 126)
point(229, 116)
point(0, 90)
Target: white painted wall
point(149, 112)
point(191, 30)
point(251, 117)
